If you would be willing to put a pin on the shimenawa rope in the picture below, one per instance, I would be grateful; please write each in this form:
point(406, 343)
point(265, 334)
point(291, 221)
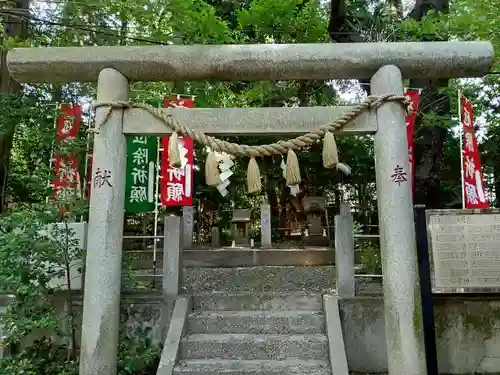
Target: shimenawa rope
point(330, 153)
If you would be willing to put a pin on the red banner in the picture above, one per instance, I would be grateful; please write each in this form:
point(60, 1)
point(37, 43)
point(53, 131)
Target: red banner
point(176, 184)
point(66, 176)
point(473, 188)
point(414, 97)
point(176, 188)
point(68, 122)
point(177, 101)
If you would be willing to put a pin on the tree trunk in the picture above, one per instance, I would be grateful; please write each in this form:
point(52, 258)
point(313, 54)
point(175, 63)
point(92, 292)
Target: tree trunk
point(13, 27)
point(429, 137)
point(496, 183)
point(430, 132)
point(493, 154)
point(342, 30)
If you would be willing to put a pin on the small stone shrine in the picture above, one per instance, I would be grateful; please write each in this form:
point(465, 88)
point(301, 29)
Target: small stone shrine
point(314, 208)
point(240, 226)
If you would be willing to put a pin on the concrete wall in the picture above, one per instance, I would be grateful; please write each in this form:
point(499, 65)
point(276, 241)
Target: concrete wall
point(140, 317)
point(467, 333)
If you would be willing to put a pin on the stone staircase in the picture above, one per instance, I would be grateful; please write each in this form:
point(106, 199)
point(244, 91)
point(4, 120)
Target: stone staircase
point(229, 270)
point(255, 333)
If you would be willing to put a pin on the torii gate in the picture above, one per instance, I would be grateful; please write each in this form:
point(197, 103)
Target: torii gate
point(385, 63)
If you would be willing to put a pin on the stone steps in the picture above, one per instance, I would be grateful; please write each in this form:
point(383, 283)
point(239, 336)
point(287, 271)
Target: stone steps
point(259, 279)
point(255, 280)
point(255, 333)
point(221, 301)
point(257, 322)
point(249, 279)
point(236, 257)
point(253, 367)
point(249, 346)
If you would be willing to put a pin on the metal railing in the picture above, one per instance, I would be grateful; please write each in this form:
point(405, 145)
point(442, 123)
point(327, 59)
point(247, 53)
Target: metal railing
point(153, 243)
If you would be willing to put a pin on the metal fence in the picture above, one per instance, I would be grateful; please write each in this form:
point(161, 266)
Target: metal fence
point(143, 253)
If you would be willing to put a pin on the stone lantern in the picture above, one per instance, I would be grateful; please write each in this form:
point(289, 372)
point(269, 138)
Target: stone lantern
point(240, 226)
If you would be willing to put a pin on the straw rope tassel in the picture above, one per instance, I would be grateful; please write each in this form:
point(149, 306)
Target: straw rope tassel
point(254, 183)
point(174, 157)
point(330, 151)
point(292, 169)
point(212, 170)
point(278, 148)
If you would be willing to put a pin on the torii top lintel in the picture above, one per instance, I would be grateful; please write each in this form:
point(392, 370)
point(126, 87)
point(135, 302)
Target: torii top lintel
point(251, 62)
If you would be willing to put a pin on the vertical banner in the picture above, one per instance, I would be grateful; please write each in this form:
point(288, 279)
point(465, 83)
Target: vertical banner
point(141, 174)
point(176, 184)
point(66, 181)
point(68, 122)
point(414, 97)
point(473, 183)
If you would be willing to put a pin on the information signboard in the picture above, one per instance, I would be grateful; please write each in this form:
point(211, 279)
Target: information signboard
point(465, 250)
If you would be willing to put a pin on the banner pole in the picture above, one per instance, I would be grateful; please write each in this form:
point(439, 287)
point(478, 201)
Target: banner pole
point(57, 113)
point(87, 156)
point(461, 132)
point(157, 203)
point(85, 171)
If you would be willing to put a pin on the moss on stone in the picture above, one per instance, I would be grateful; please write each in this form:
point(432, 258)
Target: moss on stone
point(391, 320)
point(482, 317)
point(418, 324)
point(485, 320)
point(441, 323)
point(371, 311)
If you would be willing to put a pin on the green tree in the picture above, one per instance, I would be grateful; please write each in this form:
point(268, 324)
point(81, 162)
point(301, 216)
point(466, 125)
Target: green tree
point(13, 29)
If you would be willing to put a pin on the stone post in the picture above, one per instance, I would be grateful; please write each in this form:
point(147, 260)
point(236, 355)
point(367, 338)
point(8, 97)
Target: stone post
point(172, 264)
point(172, 268)
point(187, 226)
point(215, 238)
point(344, 252)
point(101, 308)
point(403, 309)
point(265, 225)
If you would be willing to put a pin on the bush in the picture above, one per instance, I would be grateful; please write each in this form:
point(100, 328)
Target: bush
point(30, 257)
point(370, 260)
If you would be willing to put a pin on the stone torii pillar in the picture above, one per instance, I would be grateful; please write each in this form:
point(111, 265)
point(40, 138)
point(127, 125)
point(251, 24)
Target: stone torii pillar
point(101, 305)
point(402, 304)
